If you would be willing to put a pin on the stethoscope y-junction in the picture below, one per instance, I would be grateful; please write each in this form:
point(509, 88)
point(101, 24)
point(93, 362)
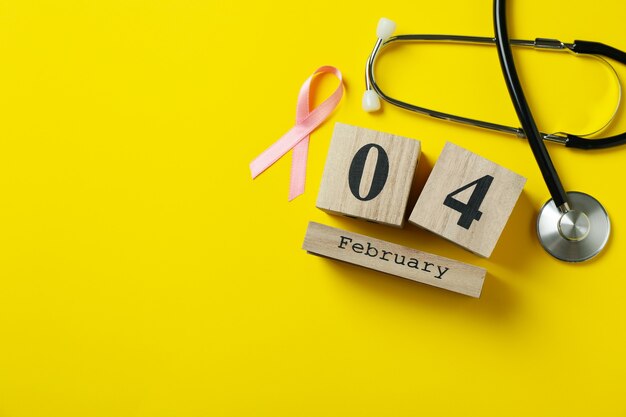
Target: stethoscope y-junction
point(572, 226)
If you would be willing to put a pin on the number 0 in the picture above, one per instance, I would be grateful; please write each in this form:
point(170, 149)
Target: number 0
point(470, 210)
point(381, 172)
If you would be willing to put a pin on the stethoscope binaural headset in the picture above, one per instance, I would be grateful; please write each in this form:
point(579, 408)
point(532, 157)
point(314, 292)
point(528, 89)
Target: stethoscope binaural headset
point(571, 226)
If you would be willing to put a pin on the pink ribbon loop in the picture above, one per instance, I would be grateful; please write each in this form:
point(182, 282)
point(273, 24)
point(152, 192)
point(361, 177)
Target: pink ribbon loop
point(297, 138)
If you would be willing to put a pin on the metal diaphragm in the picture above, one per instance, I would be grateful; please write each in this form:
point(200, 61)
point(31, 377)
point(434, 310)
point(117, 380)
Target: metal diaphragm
point(577, 235)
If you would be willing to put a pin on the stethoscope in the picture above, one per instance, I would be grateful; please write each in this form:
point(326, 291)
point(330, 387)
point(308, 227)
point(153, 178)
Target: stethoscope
point(571, 226)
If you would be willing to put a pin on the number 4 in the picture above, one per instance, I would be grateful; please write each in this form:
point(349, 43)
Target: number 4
point(470, 210)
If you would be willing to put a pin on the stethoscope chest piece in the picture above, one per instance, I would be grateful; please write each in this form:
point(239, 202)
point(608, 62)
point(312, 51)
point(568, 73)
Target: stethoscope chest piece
point(574, 235)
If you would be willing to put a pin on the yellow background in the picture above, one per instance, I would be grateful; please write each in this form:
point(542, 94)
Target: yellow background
point(143, 272)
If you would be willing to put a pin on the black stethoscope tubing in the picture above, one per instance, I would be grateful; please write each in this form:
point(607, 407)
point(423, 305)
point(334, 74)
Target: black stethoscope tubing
point(522, 109)
point(579, 47)
point(571, 226)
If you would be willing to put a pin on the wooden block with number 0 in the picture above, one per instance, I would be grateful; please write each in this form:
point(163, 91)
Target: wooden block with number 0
point(368, 174)
point(467, 199)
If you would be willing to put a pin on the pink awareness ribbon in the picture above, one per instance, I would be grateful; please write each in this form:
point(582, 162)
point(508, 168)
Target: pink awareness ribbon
point(297, 138)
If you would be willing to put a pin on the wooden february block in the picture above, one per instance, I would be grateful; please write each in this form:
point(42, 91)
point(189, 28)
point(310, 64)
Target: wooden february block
point(368, 175)
point(467, 199)
point(394, 259)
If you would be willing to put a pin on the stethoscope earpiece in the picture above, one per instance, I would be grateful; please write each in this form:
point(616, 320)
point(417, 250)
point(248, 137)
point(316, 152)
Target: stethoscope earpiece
point(574, 235)
point(385, 28)
point(371, 101)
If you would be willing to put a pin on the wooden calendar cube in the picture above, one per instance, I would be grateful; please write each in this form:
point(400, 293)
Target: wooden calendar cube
point(368, 175)
point(467, 199)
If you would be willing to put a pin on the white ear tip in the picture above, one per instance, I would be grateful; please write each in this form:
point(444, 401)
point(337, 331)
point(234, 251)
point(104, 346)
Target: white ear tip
point(371, 101)
point(385, 28)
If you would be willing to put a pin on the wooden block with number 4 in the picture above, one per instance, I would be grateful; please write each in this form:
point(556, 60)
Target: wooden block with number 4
point(467, 199)
point(368, 175)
